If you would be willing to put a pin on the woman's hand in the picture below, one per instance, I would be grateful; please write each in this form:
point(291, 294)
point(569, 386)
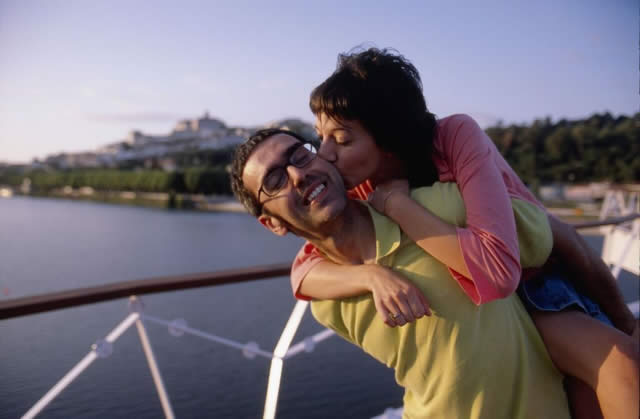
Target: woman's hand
point(397, 300)
point(384, 193)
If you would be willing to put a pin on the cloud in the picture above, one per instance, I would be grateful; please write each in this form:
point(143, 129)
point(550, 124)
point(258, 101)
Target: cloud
point(134, 117)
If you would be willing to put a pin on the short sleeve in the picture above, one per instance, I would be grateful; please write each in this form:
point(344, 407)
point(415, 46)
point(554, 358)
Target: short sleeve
point(308, 256)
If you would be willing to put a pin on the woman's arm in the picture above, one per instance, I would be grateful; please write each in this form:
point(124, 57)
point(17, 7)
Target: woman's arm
point(312, 276)
point(430, 232)
point(488, 244)
point(483, 255)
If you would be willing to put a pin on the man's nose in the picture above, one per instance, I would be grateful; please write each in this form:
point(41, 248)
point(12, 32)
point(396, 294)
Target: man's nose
point(296, 174)
point(327, 151)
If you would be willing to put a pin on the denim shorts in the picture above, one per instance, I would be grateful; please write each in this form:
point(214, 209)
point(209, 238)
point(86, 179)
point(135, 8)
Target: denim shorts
point(553, 292)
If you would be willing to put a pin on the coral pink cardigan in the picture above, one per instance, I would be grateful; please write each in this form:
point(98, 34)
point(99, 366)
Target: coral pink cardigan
point(464, 154)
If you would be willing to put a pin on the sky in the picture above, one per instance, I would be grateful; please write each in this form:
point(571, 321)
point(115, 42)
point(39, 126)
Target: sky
point(76, 75)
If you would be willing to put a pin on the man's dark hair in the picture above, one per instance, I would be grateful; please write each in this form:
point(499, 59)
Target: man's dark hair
point(240, 157)
point(382, 90)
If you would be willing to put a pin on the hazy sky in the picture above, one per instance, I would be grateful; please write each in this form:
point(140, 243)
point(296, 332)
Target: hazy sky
point(75, 75)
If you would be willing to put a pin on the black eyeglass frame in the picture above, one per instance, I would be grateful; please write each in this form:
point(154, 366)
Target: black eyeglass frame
point(311, 149)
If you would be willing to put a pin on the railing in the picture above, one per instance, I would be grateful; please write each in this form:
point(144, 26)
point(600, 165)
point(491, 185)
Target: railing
point(283, 350)
point(90, 295)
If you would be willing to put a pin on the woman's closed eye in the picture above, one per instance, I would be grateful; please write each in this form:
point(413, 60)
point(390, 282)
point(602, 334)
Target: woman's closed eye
point(342, 141)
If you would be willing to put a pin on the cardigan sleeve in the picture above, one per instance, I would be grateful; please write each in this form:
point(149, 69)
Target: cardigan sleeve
point(489, 242)
point(308, 256)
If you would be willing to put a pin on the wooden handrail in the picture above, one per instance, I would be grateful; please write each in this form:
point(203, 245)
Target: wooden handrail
point(80, 296)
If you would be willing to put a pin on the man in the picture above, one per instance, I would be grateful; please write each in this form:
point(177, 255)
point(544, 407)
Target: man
point(463, 361)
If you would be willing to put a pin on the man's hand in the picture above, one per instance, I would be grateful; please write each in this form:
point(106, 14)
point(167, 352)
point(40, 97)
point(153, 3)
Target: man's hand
point(397, 300)
point(379, 199)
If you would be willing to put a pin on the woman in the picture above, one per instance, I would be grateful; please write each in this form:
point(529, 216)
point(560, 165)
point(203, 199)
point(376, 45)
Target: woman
point(375, 126)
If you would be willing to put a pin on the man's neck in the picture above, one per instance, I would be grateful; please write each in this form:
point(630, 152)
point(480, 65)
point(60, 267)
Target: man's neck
point(352, 238)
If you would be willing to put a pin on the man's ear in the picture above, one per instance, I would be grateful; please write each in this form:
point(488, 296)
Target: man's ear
point(274, 224)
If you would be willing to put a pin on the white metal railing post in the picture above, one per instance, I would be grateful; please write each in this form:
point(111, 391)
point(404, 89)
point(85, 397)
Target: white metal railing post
point(634, 234)
point(79, 368)
point(275, 372)
point(153, 365)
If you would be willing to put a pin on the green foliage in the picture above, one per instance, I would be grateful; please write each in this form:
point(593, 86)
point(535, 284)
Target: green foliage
point(202, 181)
point(207, 181)
point(107, 180)
point(600, 148)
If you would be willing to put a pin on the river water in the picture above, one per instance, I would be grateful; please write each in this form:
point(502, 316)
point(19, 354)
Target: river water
point(49, 245)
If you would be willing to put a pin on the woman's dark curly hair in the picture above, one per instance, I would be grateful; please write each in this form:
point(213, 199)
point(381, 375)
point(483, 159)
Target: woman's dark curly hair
point(382, 90)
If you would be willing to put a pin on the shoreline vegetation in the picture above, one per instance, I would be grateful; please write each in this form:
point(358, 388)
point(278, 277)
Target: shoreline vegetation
point(161, 200)
point(601, 148)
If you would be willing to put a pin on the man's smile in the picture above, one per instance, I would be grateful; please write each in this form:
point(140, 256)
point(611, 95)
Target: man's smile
point(314, 190)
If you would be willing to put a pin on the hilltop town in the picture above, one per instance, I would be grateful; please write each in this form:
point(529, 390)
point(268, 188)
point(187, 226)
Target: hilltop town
point(189, 137)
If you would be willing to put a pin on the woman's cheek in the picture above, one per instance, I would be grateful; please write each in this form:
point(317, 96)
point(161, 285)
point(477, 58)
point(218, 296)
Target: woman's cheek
point(356, 173)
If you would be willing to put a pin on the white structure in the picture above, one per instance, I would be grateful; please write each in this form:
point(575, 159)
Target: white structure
point(621, 247)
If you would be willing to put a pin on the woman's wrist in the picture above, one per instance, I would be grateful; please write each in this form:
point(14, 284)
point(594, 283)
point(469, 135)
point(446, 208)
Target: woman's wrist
point(394, 202)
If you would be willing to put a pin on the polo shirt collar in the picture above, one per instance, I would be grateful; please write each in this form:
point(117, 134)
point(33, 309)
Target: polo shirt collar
point(388, 235)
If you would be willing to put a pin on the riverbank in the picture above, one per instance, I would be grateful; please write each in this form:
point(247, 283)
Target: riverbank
point(215, 203)
point(568, 211)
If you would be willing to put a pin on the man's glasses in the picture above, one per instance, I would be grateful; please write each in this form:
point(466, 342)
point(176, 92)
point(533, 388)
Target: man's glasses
point(299, 155)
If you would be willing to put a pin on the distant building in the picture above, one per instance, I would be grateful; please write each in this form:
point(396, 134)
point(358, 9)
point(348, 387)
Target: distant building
point(201, 128)
point(188, 135)
point(72, 160)
point(551, 192)
point(578, 193)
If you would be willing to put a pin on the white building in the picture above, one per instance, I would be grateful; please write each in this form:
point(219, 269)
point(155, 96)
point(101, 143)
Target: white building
point(204, 127)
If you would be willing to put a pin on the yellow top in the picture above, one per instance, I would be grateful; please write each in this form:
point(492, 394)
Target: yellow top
point(464, 361)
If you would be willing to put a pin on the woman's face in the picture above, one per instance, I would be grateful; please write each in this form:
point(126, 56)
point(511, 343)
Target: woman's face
point(350, 147)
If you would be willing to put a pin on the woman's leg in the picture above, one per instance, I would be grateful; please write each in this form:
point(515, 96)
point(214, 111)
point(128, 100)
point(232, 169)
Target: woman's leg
point(583, 401)
point(604, 358)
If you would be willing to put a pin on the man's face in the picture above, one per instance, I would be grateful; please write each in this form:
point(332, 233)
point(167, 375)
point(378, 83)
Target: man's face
point(311, 197)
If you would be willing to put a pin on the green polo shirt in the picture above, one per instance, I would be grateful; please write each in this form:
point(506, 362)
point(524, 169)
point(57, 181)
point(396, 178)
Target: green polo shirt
point(463, 361)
